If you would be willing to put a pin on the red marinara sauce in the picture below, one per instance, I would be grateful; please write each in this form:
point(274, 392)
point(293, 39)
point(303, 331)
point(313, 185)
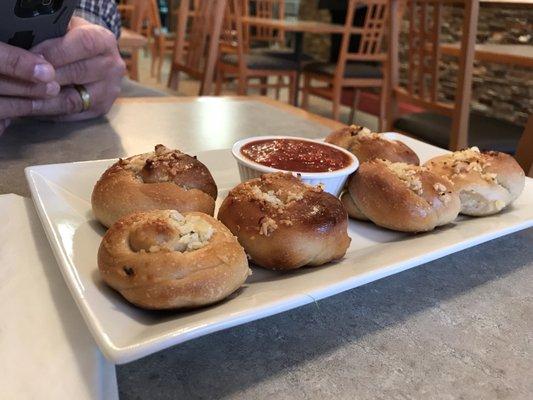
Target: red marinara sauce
point(295, 155)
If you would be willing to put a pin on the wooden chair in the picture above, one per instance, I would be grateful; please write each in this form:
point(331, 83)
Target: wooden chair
point(360, 69)
point(445, 124)
point(197, 40)
point(265, 40)
point(126, 13)
point(524, 151)
point(236, 61)
point(261, 35)
point(163, 41)
point(139, 11)
point(130, 17)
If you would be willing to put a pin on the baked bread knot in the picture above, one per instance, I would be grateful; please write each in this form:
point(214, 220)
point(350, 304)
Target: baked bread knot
point(160, 180)
point(164, 259)
point(285, 224)
point(487, 182)
point(350, 206)
point(403, 197)
point(367, 145)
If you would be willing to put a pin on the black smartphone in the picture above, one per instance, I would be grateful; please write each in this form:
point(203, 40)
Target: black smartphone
point(26, 23)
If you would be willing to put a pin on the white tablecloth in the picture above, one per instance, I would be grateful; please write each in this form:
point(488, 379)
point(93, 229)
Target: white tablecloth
point(46, 351)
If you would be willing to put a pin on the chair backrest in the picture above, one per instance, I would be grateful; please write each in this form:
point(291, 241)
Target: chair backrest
point(524, 150)
point(141, 15)
point(126, 13)
point(174, 13)
point(155, 17)
point(194, 29)
point(269, 9)
point(232, 38)
point(200, 28)
point(423, 62)
point(371, 44)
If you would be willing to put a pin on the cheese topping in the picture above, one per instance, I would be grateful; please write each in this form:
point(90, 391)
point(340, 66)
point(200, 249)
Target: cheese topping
point(364, 133)
point(407, 173)
point(268, 197)
point(471, 160)
point(275, 204)
point(443, 192)
point(193, 233)
point(439, 188)
point(274, 199)
point(268, 225)
point(136, 163)
point(163, 159)
point(294, 197)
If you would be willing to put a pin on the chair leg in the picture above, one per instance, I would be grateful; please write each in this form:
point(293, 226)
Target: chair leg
point(355, 105)
point(263, 81)
point(390, 108)
point(219, 82)
point(279, 85)
point(336, 102)
point(152, 67)
point(242, 85)
point(293, 89)
point(171, 77)
point(161, 59)
point(174, 78)
point(305, 92)
point(153, 54)
point(382, 123)
point(134, 72)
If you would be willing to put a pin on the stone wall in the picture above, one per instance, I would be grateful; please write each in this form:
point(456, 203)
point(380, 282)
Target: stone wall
point(500, 90)
point(315, 45)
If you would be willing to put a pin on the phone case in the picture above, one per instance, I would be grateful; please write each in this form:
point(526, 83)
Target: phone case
point(26, 32)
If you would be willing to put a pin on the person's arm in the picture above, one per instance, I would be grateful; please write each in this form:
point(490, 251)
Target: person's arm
point(100, 12)
point(40, 82)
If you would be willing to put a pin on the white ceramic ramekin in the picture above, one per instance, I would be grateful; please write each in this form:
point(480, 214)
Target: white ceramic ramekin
point(333, 182)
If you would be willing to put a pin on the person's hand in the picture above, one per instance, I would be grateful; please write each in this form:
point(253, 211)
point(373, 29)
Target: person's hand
point(24, 78)
point(87, 55)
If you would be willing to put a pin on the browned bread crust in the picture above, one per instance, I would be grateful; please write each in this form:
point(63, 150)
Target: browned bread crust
point(367, 145)
point(403, 197)
point(350, 206)
point(163, 179)
point(285, 224)
point(154, 260)
point(487, 182)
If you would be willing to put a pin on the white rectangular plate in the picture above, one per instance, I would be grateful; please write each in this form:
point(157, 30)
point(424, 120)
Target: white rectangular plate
point(62, 194)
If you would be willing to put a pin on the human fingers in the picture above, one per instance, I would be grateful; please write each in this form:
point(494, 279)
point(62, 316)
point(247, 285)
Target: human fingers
point(89, 71)
point(84, 42)
point(16, 63)
point(22, 89)
point(12, 107)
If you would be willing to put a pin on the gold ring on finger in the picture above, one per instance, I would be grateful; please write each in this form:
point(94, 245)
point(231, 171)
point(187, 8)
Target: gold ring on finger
point(85, 97)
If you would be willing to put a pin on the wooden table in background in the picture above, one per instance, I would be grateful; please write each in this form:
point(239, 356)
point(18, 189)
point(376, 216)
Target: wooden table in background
point(515, 54)
point(295, 26)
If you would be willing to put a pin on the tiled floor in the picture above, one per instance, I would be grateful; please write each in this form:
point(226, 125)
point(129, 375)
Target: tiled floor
point(189, 87)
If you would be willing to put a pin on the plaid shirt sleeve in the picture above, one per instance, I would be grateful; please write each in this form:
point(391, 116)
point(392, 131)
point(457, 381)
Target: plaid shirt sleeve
point(101, 12)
